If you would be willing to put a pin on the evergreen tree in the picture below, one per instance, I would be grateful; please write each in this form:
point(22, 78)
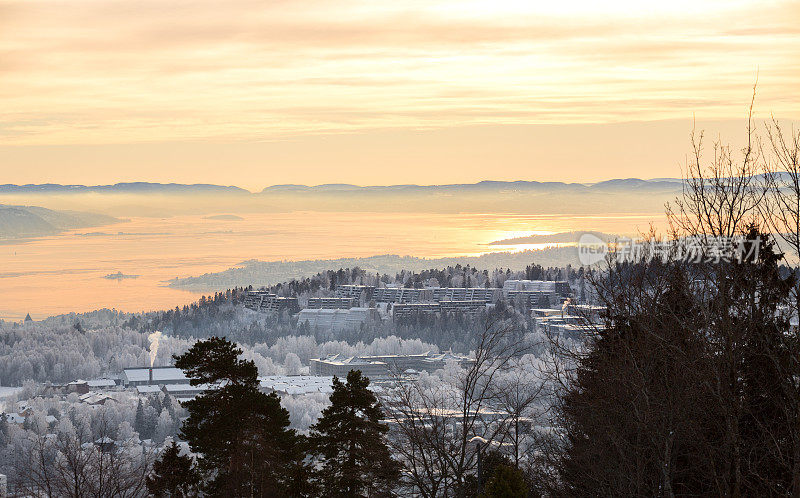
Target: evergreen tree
point(690, 388)
point(3, 429)
point(349, 441)
point(173, 475)
point(242, 434)
point(139, 423)
point(506, 482)
point(155, 402)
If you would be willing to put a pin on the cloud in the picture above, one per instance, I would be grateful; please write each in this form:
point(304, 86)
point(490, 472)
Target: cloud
point(114, 71)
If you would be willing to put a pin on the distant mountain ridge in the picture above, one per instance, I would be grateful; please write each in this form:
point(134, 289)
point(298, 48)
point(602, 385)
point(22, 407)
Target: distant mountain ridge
point(625, 184)
point(622, 184)
point(130, 187)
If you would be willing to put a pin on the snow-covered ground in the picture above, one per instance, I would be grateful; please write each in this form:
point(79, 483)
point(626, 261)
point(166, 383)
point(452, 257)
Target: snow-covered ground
point(8, 391)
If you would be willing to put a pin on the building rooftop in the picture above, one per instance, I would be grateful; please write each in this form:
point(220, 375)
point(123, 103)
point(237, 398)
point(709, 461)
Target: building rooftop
point(160, 374)
point(297, 384)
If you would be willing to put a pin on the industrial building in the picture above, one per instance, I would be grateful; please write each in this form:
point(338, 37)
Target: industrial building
point(155, 376)
point(340, 366)
point(296, 384)
point(384, 366)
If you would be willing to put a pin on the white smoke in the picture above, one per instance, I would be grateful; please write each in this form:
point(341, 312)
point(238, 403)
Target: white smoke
point(565, 306)
point(154, 338)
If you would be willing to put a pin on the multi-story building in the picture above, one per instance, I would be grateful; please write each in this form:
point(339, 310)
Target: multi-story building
point(536, 293)
point(267, 302)
point(559, 288)
point(537, 299)
point(252, 299)
point(337, 319)
point(355, 291)
point(402, 295)
point(469, 307)
point(332, 303)
point(408, 310)
point(487, 295)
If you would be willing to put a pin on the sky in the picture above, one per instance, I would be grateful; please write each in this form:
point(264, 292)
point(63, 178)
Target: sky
point(256, 93)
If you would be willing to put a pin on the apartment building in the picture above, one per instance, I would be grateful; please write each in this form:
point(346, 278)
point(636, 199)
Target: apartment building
point(487, 295)
point(332, 303)
point(559, 288)
point(337, 319)
point(266, 302)
point(355, 291)
point(407, 310)
point(396, 294)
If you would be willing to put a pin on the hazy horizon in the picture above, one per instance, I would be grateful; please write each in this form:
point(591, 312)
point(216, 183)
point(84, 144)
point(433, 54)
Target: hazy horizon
point(376, 93)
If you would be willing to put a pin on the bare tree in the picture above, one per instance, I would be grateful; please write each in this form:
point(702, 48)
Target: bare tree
point(75, 463)
point(432, 426)
point(518, 394)
point(782, 213)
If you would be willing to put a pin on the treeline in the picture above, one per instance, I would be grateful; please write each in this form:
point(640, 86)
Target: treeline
point(222, 314)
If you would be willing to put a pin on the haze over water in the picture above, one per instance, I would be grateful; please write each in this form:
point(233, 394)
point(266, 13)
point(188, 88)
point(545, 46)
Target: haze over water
point(64, 273)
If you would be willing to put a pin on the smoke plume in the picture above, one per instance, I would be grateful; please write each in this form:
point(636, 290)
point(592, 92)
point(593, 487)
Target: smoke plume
point(154, 338)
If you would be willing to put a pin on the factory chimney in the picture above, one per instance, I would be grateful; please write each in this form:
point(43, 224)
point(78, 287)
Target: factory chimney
point(151, 376)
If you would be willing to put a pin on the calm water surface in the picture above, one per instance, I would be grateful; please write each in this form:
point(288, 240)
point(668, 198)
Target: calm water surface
point(64, 273)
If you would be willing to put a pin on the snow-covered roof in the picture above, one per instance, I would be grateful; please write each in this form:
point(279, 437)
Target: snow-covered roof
point(94, 398)
point(297, 384)
point(160, 374)
point(187, 388)
point(101, 383)
point(147, 389)
point(15, 418)
point(338, 359)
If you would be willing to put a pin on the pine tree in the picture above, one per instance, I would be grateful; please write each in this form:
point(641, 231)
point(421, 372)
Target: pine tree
point(173, 475)
point(242, 434)
point(155, 402)
point(139, 424)
point(349, 442)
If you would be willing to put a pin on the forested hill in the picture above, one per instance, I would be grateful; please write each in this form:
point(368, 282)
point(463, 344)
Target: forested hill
point(258, 273)
point(32, 221)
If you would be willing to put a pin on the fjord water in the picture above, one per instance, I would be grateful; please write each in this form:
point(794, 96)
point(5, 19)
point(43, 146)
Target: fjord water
point(65, 273)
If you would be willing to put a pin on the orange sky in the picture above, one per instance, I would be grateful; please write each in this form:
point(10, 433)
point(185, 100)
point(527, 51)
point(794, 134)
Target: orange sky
point(255, 92)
